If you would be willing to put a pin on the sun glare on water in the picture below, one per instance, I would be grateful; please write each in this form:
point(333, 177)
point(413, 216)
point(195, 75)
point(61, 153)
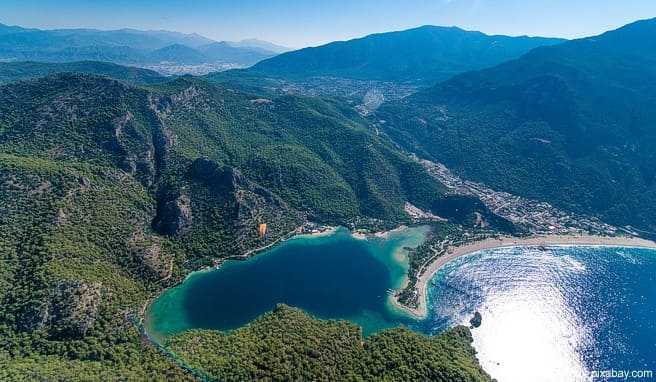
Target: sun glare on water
point(530, 335)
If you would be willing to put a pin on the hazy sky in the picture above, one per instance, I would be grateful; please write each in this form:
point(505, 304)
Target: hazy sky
point(312, 22)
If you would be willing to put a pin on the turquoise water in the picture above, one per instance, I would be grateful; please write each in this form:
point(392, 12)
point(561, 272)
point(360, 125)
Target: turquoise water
point(554, 315)
point(335, 276)
point(548, 315)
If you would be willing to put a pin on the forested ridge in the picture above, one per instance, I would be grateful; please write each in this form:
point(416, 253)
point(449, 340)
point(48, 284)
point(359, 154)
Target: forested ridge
point(111, 192)
point(15, 71)
point(571, 124)
point(422, 55)
point(287, 344)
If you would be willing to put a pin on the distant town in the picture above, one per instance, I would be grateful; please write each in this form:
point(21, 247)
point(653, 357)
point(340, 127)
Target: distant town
point(535, 216)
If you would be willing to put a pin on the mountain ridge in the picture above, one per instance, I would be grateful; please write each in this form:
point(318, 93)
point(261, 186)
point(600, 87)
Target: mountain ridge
point(426, 54)
point(16, 71)
point(578, 114)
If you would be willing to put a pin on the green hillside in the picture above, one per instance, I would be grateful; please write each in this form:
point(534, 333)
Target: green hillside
point(572, 124)
point(191, 144)
point(286, 344)
point(422, 55)
point(23, 70)
point(111, 192)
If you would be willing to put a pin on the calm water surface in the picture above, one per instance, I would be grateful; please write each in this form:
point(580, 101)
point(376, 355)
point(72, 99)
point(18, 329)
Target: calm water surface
point(336, 276)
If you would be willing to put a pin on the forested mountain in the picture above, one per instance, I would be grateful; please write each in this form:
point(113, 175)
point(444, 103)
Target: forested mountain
point(422, 55)
point(318, 156)
point(271, 348)
point(15, 71)
point(125, 46)
point(573, 124)
point(110, 192)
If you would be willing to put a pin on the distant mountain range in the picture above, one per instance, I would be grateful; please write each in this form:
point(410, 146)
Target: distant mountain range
point(573, 124)
point(422, 55)
point(130, 46)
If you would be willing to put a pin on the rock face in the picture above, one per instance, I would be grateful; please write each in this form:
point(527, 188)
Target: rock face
point(476, 320)
point(155, 262)
point(209, 172)
point(71, 309)
point(241, 204)
point(174, 216)
point(231, 182)
point(219, 201)
point(133, 143)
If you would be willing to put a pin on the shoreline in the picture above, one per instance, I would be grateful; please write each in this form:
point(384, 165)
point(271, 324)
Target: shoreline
point(386, 234)
point(452, 253)
point(323, 231)
point(361, 234)
point(208, 268)
point(297, 233)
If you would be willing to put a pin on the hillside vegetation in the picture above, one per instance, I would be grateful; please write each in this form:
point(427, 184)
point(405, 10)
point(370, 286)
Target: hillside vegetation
point(110, 193)
point(286, 344)
point(25, 70)
point(572, 124)
point(422, 55)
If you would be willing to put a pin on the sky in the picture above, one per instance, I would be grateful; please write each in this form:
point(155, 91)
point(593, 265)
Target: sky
point(297, 24)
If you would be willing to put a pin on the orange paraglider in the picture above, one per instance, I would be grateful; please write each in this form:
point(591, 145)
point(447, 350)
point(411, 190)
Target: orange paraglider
point(262, 230)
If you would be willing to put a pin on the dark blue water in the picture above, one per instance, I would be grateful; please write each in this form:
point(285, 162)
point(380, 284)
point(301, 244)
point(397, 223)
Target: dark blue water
point(333, 277)
point(554, 315)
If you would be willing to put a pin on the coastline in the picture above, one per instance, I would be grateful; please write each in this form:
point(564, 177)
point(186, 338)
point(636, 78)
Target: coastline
point(300, 232)
point(364, 234)
point(386, 234)
point(325, 231)
point(453, 253)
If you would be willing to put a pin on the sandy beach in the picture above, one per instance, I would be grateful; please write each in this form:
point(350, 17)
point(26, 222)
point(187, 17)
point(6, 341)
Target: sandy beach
point(324, 231)
point(359, 235)
point(547, 240)
point(363, 235)
point(386, 234)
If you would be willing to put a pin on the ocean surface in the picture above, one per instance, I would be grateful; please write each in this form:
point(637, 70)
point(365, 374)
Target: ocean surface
point(557, 314)
point(560, 314)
